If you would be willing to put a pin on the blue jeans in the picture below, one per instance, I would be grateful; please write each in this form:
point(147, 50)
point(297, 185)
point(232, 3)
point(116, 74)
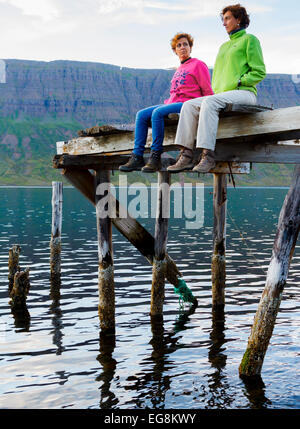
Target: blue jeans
point(156, 114)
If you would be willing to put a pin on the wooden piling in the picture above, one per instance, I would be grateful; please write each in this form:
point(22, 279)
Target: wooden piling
point(55, 242)
point(218, 266)
point(159, 269)
point(283, 249)
point(13, 264)
point(106, 306)
point(20, 291)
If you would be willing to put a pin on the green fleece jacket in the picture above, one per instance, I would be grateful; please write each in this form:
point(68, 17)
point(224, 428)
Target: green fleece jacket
point(239, 59)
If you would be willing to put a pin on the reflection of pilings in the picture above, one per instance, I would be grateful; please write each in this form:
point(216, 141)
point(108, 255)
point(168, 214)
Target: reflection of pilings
point(13, 264)
point(55, 242)
point(217, 336)
point(22, 318)
point(108, 363)
point(218, 382)
point(255, 392)
point(57, 314)
point(157, 382)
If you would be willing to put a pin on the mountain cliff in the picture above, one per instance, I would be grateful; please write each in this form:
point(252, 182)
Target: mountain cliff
point(43, 102)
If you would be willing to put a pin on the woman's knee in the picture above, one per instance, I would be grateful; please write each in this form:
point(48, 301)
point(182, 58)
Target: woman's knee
point(158, 114)
point(142, 116)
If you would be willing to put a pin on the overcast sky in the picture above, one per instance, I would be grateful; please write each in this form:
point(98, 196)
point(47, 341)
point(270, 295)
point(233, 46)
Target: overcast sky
point(136, 33)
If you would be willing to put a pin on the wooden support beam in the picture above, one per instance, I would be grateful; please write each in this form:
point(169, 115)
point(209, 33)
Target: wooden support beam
point(112, 162)
point(161, 236)
point(106, 307)
point(55, 242)
point(138, 236)
point(283, 249)
point(218, 266)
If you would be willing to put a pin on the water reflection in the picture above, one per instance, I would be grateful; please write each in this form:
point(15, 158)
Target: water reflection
point(255, 392)
point(107, 345)
point(185, 361)
point(21, 319)
point(157, 382)
point(55, 309)
point(218, 381)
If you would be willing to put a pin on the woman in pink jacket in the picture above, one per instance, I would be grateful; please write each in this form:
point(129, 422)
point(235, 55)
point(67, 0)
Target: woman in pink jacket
point(191, 80)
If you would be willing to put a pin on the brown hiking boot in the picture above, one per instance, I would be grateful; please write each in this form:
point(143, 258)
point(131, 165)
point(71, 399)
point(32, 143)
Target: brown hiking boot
point(154, 163)
point(207, 162)
point(184, 162)
point(135, 163)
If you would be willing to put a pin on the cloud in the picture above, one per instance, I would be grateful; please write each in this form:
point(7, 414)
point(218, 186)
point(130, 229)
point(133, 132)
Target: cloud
point(158, 11)
point(44, 9)
point(136, 33)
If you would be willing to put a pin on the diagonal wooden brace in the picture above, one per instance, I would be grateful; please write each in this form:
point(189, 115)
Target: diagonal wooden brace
point(83, 180)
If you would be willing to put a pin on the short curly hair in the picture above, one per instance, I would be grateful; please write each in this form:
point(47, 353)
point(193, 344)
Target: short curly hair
point(239, 12)
point(178, 36)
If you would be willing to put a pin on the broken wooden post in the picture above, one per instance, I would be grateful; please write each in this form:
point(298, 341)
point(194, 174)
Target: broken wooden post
point(13, 264)
point(55, 242)
point(283, 249)
point(106, 306)
point(218, 266)
point(159, 268)
point(20, 291)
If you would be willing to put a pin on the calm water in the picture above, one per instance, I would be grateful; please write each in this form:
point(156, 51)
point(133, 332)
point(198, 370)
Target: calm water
point(57, 359)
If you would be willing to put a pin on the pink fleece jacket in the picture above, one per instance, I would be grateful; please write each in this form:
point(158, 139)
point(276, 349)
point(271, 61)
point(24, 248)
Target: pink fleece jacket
point(191, 80)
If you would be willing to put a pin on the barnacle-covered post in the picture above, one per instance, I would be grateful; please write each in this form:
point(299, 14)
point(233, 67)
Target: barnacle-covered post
point(55, 242)
point(106, 307)
point(218, 268)
point(20, 291)
point(13, 264)
point(283, 249)
point(159, 269)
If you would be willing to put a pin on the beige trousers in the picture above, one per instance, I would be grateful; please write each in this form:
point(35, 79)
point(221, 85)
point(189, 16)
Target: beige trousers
point(199, 117)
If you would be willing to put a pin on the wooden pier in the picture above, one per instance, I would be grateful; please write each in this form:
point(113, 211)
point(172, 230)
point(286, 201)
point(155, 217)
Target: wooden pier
point(246, 135)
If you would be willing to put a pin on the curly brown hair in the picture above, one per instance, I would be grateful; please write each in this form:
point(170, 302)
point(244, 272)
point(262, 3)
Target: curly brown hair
point(178, 36)
point(239, 12)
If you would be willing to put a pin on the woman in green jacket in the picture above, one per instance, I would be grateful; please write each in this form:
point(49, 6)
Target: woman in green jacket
point(239, 67)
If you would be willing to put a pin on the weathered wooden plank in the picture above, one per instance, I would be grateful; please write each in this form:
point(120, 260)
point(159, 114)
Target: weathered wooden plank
point(283, 249)
point(161, 235)
point(55, 242)
point(128, 226)
point(218, 265)
point(106, 307)
point(229, 110)
point(268, 152)
point(273, 125)
point(105, 130)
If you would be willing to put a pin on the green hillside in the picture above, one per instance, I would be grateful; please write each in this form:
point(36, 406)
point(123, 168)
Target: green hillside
point(45, 102)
